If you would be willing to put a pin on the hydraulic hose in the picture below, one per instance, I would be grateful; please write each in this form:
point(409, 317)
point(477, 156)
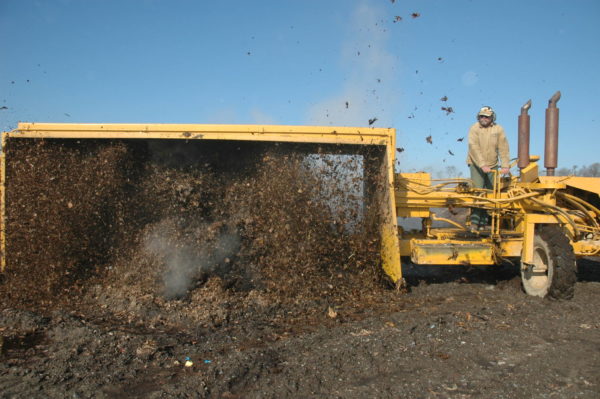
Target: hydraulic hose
point(576, 232)
point(581, 208)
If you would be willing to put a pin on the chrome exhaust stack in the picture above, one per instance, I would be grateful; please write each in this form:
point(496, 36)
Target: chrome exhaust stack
point(524, 128)
point(551, 146)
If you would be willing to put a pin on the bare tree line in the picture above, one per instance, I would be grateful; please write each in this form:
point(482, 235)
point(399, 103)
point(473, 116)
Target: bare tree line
point(592, 170)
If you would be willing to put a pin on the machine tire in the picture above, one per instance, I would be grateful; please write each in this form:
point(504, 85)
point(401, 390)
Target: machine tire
point(554, 273)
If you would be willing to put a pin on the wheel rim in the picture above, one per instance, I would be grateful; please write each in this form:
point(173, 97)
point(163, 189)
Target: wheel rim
point(540, 275)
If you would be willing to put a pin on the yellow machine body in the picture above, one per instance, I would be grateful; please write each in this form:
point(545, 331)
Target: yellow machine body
point(451, 252)
point(516, 205)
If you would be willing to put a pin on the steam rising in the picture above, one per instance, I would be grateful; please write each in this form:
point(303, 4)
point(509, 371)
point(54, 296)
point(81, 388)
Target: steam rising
point(185, 263)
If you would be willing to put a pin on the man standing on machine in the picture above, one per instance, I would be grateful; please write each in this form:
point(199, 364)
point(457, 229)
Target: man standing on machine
point(487, 143)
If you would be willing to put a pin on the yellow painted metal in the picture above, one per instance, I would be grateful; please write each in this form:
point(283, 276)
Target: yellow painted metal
point(496, 212)
point(516, 206)
point(591, 184)
point(405, 246)
point(417, 194)
point(530, 173)
point(407, 201)
point(543, 186)
point(528, 235)
point(390, 252)
point(531, 219)
point(390, 246)
point(586, 247)
point(452, 252)
point(435, 218)
point(510, 247)
point(278, 133)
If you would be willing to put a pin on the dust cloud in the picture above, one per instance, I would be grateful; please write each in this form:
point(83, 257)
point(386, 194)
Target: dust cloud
point(369, 87)
point(186, 263)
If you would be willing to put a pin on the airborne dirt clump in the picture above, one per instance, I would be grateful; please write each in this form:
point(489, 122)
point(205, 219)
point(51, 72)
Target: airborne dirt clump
point(235, 270)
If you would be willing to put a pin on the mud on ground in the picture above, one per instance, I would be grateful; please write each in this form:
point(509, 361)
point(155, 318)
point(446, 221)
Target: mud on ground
point(173, 271)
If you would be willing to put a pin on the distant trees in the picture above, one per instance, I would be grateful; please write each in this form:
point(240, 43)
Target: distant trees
point(592, 170)
point(449, 172)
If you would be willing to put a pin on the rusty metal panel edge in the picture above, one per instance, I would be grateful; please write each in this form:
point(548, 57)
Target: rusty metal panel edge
point(390, 251)
point(298, 134)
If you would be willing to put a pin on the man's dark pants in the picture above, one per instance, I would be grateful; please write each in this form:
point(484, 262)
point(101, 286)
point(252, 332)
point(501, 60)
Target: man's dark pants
point(480, 179)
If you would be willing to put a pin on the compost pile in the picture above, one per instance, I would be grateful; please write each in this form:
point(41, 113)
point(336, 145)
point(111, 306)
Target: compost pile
point(251, 270)
point(164, 224)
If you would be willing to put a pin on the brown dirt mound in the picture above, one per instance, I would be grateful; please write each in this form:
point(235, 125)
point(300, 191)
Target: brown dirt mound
point(157, 220)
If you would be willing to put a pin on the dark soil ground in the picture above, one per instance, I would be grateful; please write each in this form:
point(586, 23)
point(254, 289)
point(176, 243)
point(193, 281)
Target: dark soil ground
point(130, 273)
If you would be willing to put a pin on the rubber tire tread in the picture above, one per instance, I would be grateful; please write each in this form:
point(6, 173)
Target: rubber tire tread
point(563, 258)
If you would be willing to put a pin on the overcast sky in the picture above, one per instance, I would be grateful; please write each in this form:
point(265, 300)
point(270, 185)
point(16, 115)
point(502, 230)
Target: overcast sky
point(298, 62)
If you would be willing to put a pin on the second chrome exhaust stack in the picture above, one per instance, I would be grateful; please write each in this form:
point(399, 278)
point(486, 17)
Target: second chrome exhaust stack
point(524, 124)
point(551, 146)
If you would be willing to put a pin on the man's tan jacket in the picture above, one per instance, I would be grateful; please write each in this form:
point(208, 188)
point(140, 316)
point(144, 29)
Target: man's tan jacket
point(486, 144)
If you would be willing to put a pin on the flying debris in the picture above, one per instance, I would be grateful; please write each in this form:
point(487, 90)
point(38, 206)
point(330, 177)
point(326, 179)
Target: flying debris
point(429, 139)
point(445, 98)
point(448, 110)
point(371, 121)
point(400, 149)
